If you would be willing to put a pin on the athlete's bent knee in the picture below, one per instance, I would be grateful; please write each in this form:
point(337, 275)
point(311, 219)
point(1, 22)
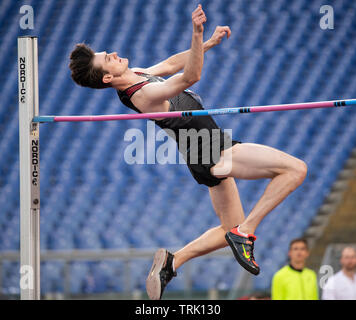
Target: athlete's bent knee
point(300, 171)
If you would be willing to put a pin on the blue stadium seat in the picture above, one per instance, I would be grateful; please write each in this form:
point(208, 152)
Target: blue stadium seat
point(93, 199)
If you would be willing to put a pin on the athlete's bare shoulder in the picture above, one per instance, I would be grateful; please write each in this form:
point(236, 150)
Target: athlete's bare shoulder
point(142, 101)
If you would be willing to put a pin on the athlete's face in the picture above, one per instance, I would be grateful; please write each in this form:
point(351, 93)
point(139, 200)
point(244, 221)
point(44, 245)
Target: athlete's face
point(298, 252)
point(111, 63)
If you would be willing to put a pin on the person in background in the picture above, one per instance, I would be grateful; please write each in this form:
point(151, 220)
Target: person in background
point(294, 281)
point(342, 285)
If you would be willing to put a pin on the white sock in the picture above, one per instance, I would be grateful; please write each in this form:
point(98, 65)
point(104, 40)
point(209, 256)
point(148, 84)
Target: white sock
point(174, 269)
point(244, 234)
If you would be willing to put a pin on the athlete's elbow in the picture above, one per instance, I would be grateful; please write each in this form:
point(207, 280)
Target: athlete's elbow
point(192, 79)
point(197, 78)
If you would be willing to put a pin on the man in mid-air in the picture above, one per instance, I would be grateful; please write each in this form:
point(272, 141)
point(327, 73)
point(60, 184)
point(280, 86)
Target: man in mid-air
point(143, 90)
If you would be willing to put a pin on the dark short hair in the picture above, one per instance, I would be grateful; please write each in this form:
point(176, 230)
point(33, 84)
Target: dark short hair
point(83, 71)
point(298, 240)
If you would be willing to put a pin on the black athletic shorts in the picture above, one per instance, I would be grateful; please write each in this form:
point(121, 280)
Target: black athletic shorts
point(203, 153)
point(201, 170)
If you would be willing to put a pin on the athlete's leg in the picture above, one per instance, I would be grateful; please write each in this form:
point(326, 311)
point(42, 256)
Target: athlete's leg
point(227, 205)
point(226, 202)
point(254, 161)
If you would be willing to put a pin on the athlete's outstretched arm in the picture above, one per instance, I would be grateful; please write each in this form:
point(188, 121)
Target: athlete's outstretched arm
point(157, 92)
point(177, 62)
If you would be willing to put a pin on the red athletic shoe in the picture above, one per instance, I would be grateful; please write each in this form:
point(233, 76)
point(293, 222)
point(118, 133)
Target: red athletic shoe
point(242, 247)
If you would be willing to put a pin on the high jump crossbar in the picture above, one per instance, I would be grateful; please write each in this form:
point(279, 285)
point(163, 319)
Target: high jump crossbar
point(206, 112)
point(29, 120)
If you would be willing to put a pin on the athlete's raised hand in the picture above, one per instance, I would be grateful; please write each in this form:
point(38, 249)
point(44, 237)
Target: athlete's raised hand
point(198, 19)
point(219, 33)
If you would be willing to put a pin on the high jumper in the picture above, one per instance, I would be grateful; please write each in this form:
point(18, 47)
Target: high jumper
point(143, 90)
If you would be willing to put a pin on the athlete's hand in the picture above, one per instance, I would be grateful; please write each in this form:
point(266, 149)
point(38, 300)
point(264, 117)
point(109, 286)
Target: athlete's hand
point(198, 19)
point(219, 33)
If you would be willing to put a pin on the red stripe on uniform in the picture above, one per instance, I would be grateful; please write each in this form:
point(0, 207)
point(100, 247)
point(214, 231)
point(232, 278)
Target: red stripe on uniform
point(130, 91)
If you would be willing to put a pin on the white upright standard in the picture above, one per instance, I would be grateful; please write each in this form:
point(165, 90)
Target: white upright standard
point(29, 169)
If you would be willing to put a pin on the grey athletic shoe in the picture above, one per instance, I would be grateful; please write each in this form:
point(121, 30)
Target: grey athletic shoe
point(160, 274)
